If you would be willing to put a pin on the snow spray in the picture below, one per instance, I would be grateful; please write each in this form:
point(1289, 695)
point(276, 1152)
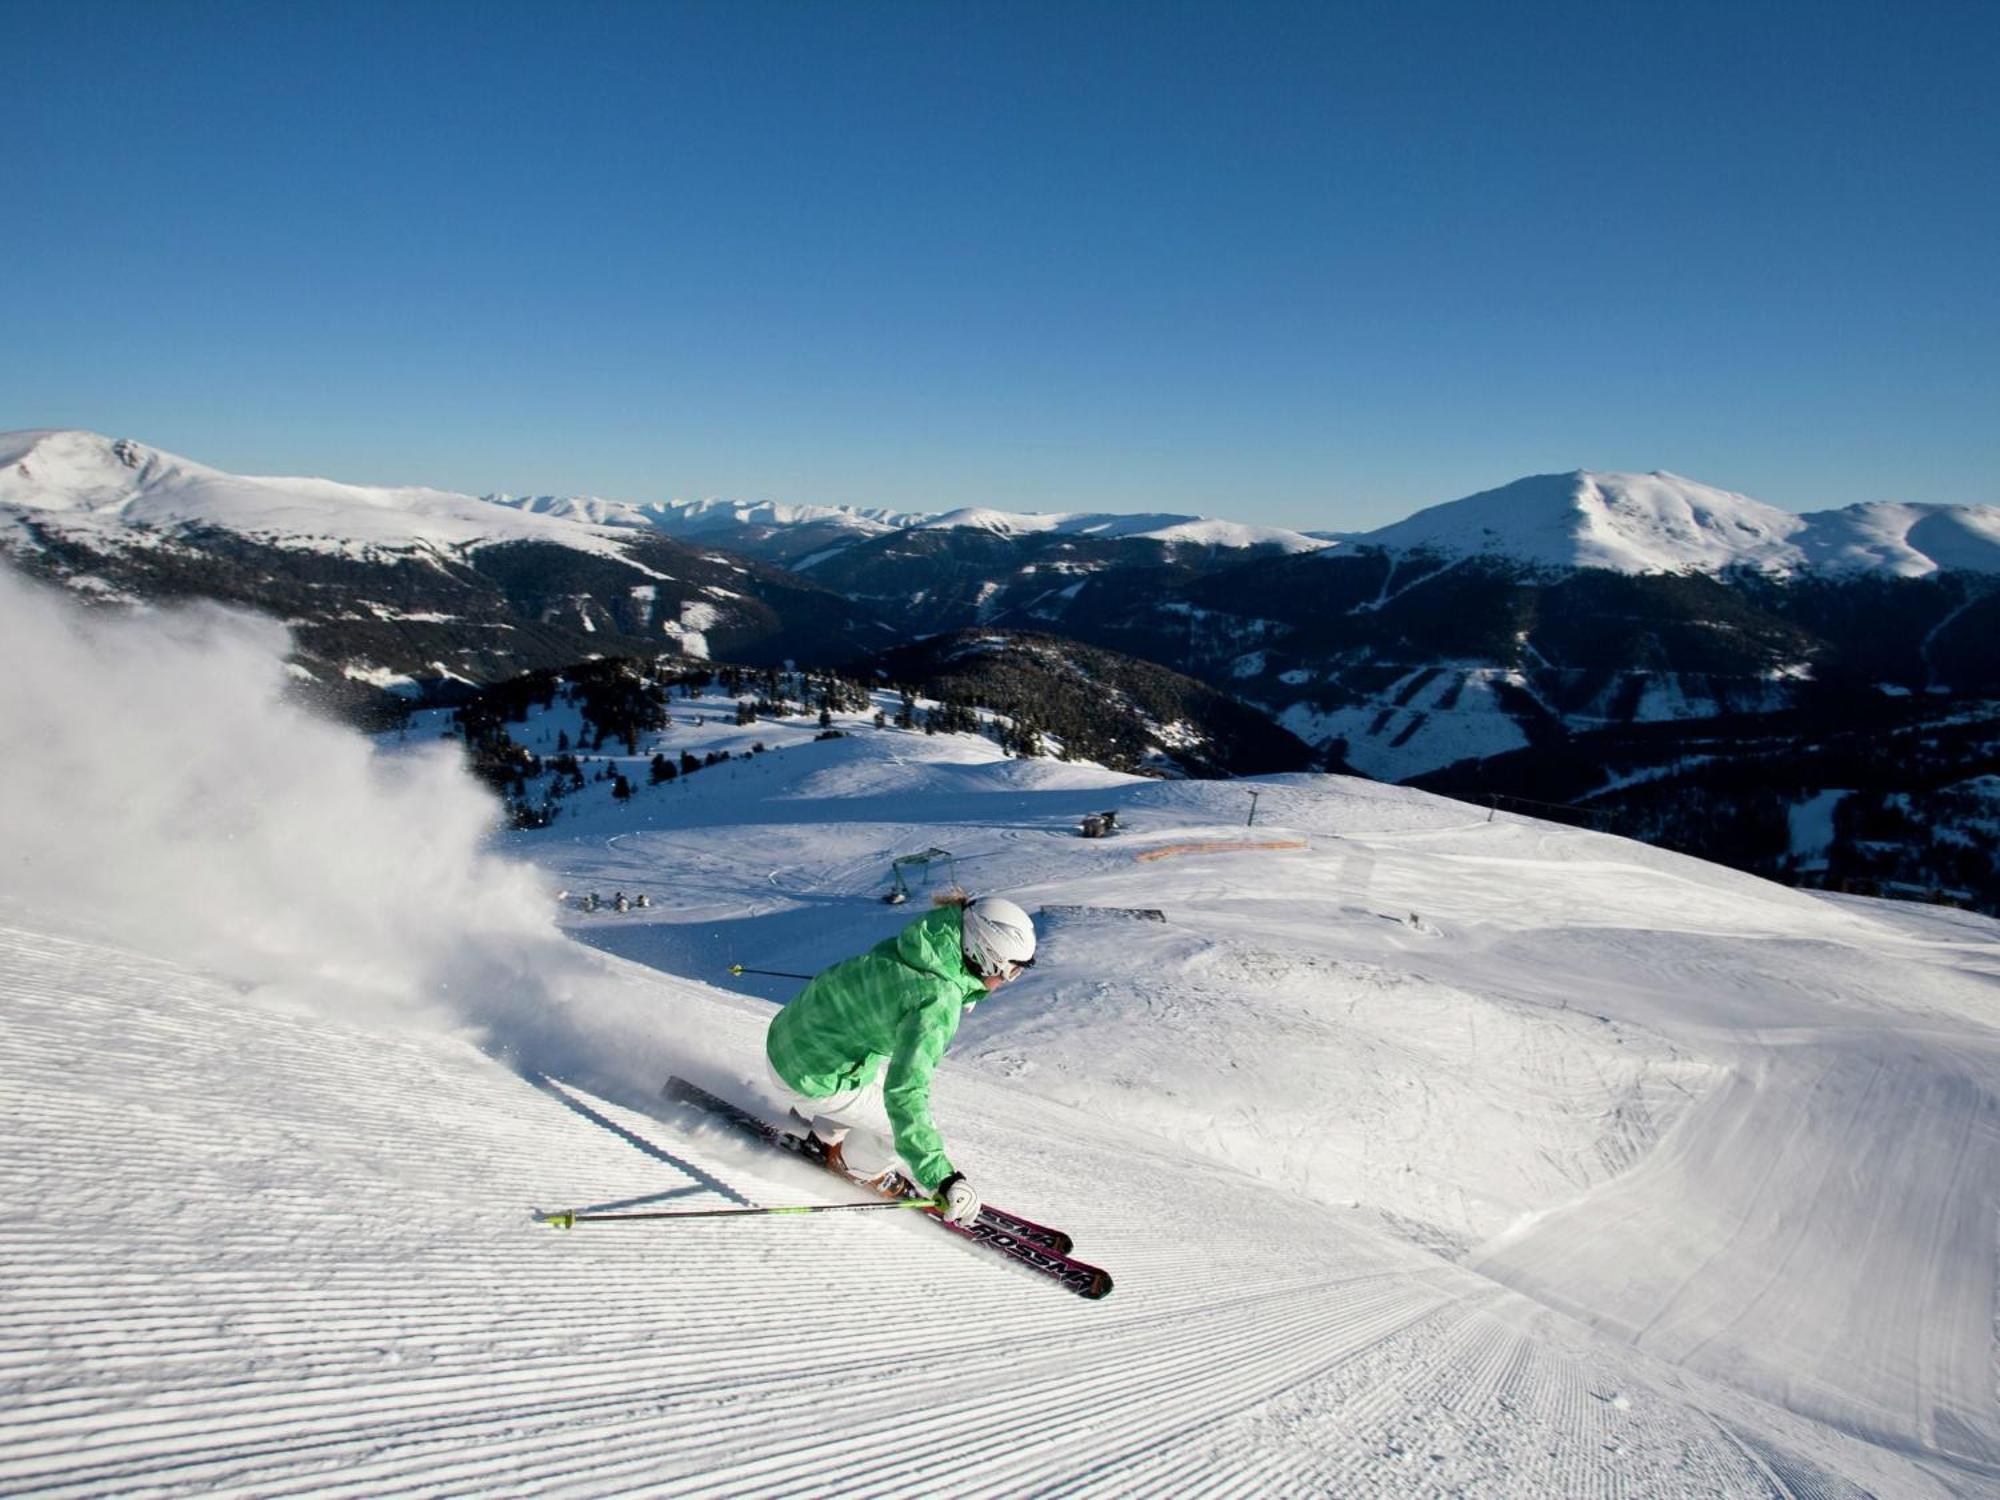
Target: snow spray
point(163, 788)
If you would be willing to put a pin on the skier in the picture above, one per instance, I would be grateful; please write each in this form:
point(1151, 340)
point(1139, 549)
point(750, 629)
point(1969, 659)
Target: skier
point(898, 1004)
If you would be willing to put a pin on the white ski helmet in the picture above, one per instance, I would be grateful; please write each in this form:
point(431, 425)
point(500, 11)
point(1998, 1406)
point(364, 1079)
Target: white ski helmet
point(996, 936)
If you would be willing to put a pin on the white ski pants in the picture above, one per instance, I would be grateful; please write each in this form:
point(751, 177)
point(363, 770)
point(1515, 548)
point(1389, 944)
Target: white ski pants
point(857, 1121)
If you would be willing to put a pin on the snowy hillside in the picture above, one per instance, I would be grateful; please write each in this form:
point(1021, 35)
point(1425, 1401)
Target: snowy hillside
point(1662, 523)
point(1433, 1153)
point(1908, 541)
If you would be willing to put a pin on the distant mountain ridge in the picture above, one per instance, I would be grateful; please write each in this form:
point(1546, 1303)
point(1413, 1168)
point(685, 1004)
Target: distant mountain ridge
point(773, 530)
point(388, 588)
point(789, 535)
point(1663, 523)
point(1621, 522)
point(84, 483)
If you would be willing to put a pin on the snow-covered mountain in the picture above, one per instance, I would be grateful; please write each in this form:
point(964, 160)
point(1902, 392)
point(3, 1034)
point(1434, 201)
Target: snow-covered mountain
point(685, 518)
point(83, 484)
point(389, 586)
point(1190, 530)
point(1630, 523)
point(1433, 1153)
point(1907, 541)
point(789, 535)
point(1625, 523)
point(805, 535)
point(1662, 523)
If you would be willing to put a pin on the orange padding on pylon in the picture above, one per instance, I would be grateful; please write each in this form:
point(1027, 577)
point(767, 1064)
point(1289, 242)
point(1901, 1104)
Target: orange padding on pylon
point(1226, 846)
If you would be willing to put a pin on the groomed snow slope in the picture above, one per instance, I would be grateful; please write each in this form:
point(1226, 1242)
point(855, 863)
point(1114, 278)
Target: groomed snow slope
point(1752, 1128)
point(264, 1253)
point(1437, 1156)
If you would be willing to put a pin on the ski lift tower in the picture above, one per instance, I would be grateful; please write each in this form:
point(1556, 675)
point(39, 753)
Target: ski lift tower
point(920, 865)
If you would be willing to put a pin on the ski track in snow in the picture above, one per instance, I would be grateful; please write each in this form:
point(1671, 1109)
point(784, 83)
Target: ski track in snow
point(254, 1253)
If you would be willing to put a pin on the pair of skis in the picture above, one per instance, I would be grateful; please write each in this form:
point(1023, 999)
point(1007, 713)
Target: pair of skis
point(1023, 1241)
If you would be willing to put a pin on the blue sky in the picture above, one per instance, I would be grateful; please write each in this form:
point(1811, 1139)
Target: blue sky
point(1313, 265)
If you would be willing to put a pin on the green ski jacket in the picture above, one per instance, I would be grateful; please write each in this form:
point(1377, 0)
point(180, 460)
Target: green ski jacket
point(897, 1003)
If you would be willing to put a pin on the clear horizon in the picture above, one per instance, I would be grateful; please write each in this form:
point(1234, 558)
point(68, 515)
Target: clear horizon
point(1280, 264)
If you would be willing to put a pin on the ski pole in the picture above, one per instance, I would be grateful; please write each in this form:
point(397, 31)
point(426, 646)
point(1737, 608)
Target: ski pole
point(569, 1219)
point(774, 973)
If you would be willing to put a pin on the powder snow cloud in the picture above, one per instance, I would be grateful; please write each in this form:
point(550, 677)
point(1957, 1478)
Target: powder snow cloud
point(164, 788)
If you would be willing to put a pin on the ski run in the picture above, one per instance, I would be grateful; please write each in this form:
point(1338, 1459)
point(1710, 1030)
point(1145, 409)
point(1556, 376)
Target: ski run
point(1433, 1152)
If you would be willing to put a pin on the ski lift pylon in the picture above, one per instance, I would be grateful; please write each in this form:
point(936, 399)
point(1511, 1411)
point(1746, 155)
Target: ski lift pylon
point(922, 864)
